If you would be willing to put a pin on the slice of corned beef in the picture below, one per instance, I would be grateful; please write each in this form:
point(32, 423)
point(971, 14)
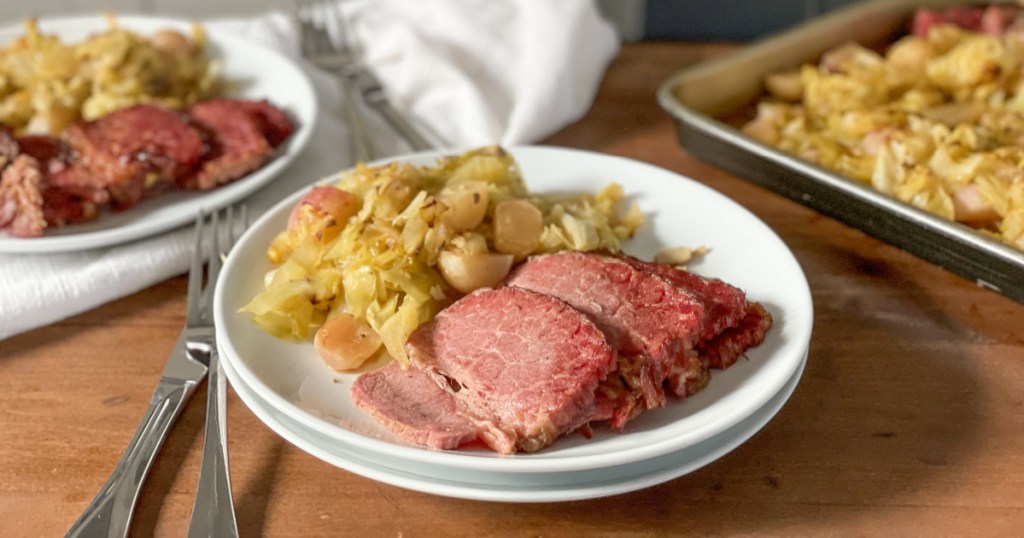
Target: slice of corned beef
point(725, 306)
point(273, 122)
point(642, 314)
point(21, 199)
point(66, 198)
point(733, 326)
point(621, 396)
point(729, 345)
point(62, 207)
point(133, 151)
point(690, 374)
point(410, 404)
point(521, 365)
point(242, 135)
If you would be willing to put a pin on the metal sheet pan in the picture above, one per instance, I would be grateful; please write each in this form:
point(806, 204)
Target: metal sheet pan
point(700, 97)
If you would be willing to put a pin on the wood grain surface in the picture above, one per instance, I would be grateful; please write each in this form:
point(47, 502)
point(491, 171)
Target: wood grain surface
point(909, 420)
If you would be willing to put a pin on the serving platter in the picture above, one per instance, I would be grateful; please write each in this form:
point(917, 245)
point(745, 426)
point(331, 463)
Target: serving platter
point(292, 379)
point(256, 72)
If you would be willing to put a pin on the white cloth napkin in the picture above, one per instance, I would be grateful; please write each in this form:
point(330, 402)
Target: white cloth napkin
point(467, 72)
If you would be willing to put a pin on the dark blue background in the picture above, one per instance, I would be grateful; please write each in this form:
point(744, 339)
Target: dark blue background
point(730, 20)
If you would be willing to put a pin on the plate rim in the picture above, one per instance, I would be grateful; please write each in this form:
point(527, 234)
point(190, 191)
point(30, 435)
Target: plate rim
point(521, 463)
point(709, 451)
point(225, 195)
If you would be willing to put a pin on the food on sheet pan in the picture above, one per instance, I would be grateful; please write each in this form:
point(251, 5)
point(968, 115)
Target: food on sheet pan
point(115, 119)
point(937, 120)
point(542, 327)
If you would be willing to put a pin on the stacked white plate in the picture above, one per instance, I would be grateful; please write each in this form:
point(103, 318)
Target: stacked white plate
point(288, 387)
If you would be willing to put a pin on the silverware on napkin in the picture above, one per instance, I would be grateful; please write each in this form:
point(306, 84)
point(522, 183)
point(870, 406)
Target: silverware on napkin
point(331, 52)
point(110, 512)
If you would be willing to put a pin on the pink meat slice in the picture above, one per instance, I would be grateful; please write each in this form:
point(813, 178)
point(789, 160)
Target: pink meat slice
point(648, 320)
point(21, 199)
point(242, 134)
point(726, 306)
point(728, 346)
point(522, 365)
point(275, 125)
point(409, 403)
point(66, 198)
point(133, 151)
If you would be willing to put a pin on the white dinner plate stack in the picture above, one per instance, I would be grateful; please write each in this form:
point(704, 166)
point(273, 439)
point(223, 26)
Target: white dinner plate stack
point(290, 389)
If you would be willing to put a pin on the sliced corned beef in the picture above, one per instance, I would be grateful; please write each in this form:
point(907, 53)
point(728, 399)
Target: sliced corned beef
point(66, 198)
point(724, 304)
point(134, 150)
point(726, 348)
point(273, 122)
point(690, 374)
point(242, 135)
point(643, 315)
point(518, 366)
point(409, 403)
point(522, 365)
point(992, 19)
point(21, 198)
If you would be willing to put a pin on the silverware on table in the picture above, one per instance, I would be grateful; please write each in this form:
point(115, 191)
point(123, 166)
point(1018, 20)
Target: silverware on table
point(110, 512)
point(332, 53)
point(213, 513)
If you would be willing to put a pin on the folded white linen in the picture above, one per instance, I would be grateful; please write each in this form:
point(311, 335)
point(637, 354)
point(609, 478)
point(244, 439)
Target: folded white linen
point(466, 72)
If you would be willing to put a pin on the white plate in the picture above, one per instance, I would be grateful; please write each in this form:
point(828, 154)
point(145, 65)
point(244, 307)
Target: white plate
point(261, 73)
point(512, 487)
point(745, 252)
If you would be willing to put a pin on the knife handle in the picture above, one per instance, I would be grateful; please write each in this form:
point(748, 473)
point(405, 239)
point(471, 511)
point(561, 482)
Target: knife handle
point(110, 512)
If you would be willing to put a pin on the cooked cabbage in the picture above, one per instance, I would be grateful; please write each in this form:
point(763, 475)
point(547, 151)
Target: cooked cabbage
point(381, 264)
point(46, 84)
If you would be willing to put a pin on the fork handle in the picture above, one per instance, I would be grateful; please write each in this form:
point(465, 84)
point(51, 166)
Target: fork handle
point(362, 141)
point(213, 514)
point(380, 103)
point(110, 512)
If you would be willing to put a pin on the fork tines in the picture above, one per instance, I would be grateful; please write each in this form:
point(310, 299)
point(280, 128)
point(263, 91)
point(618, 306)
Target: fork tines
point(211, 244)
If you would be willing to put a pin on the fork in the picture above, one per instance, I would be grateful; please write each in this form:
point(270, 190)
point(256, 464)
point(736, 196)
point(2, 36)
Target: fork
point(110, 512)
point(213, 514)
point(336, 56)
point(319, 49)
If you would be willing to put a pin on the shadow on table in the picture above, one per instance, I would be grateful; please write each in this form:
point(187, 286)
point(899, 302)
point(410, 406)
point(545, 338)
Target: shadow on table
point(177, 467)
point(251, 501)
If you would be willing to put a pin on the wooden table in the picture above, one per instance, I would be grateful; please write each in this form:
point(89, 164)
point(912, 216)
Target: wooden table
point(909, 419)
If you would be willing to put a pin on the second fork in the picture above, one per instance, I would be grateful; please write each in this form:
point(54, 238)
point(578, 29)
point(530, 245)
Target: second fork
point(213, 513)
point(319, 49)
